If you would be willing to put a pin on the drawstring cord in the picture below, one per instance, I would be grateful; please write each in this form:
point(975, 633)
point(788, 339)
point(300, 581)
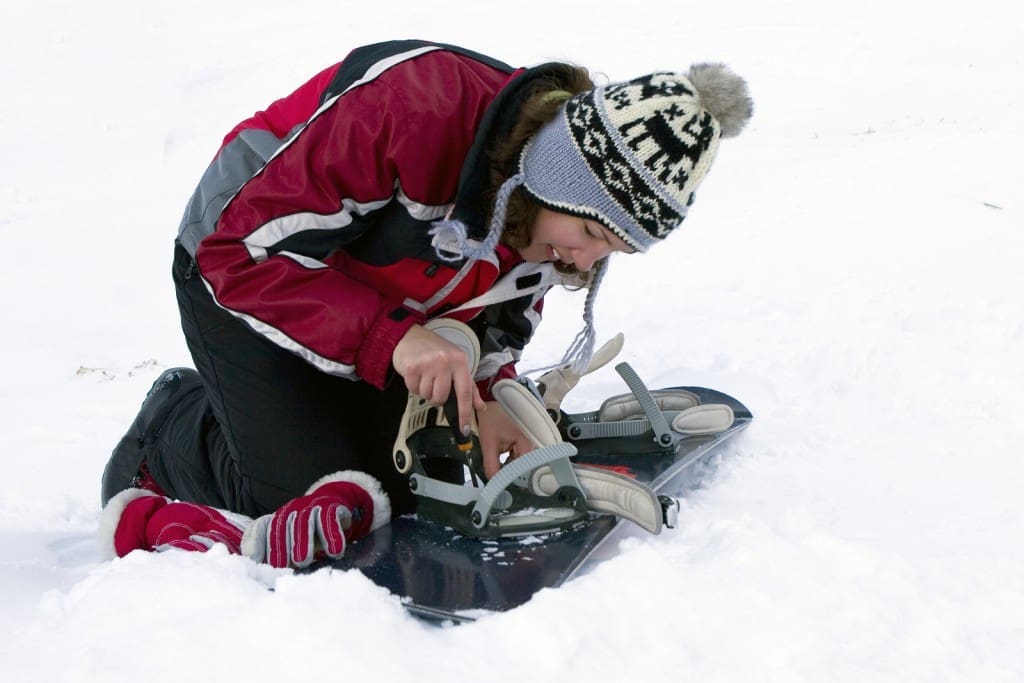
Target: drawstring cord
point(449, 233)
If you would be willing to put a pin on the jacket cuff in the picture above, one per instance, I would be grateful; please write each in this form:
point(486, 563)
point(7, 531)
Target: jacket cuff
point(370, 484)
point(373, 362)
point(110, 522)
point(484, 386)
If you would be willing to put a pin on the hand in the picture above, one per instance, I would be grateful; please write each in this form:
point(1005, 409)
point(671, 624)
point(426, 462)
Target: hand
point(137, 519)
point(341, 507)
point(431, 366)
point(498, 434)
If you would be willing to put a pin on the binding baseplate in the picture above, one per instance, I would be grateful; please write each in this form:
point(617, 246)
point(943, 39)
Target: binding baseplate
point(641, 421)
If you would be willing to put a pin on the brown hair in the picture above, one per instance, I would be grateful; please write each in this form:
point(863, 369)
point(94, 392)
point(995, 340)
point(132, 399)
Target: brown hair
point(540, 105)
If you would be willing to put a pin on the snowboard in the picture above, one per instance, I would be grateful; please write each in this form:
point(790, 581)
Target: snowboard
point(444, 576)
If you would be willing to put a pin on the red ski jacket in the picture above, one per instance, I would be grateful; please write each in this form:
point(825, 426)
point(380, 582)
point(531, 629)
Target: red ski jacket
point(311, 223)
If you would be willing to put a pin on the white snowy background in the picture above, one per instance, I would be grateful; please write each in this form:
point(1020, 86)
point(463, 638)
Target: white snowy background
point(852, 270)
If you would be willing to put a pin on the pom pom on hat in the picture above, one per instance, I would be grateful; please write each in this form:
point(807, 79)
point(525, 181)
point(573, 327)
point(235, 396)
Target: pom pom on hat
point(724, 95)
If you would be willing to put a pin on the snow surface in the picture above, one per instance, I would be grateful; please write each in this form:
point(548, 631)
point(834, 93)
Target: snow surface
point(852, 270)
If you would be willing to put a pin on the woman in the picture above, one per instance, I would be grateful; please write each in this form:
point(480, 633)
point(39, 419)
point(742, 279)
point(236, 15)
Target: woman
point(409, 182)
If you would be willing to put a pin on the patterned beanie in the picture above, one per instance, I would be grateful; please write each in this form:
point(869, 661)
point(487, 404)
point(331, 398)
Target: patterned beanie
point(628, 155)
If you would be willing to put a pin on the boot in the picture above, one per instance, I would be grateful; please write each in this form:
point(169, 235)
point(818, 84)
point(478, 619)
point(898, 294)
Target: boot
point(123, 468)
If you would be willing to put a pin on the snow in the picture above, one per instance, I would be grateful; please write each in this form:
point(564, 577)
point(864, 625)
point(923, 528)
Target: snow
point(851, 270)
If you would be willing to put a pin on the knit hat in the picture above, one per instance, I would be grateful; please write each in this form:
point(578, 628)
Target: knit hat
point(628, 155)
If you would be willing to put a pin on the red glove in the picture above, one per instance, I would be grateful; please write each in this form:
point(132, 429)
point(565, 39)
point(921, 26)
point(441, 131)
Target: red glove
point(341, 507)
point(137, 519)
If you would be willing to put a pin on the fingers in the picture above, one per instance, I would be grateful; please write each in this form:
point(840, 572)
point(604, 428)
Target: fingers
point(491, 449)
point(432, 366)
point(492, 454)
point(279, 538)
point(498, 434)
point(295, 535)
point(520, 446)
point(491, 441)
point(333, 519)
point(301, 534)
point(466, 394)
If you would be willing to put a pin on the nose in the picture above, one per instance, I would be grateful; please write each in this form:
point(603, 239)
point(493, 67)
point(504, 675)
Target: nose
point(584, 258)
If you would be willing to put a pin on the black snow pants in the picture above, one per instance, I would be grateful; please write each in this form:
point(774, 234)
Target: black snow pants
point(266, 424)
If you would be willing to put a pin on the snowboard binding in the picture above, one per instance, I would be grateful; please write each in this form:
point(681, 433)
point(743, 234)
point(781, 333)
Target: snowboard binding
point(539, 492)
point(642, 421)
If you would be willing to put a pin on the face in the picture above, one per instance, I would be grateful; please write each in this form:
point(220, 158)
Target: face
point(581, 242)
